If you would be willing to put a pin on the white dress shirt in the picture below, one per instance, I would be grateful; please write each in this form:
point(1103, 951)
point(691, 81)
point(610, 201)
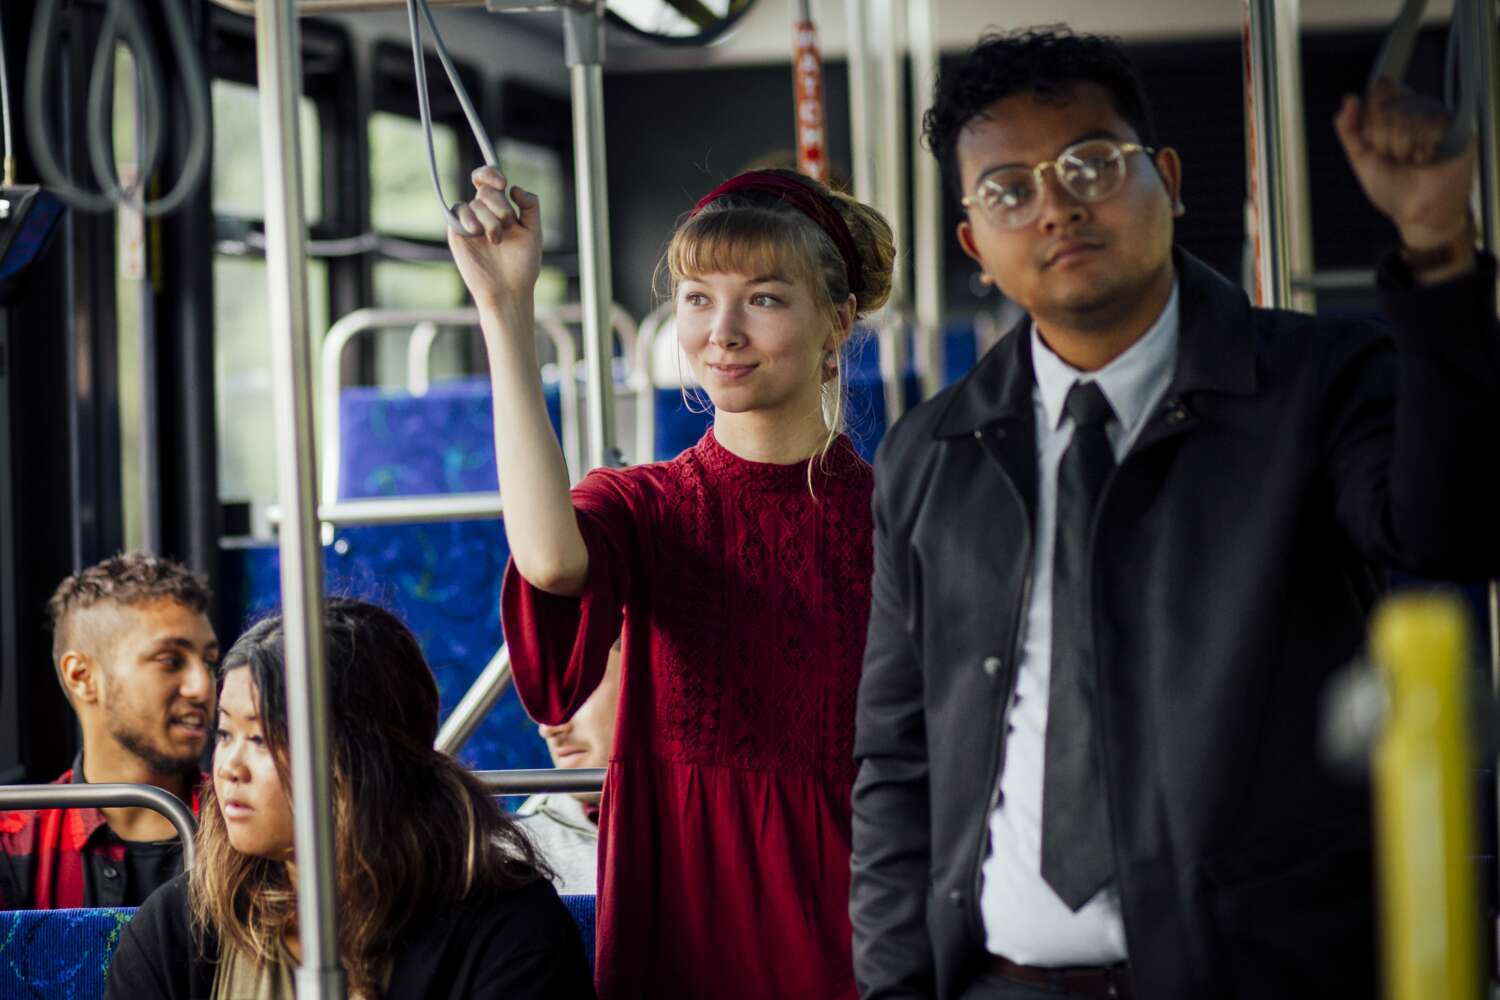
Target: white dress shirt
point(1024, 920)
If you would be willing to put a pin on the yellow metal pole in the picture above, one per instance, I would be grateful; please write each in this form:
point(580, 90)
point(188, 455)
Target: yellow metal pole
point(1424, 801)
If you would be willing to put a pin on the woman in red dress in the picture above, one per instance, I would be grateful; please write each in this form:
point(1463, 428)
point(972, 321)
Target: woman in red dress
point(737, 575)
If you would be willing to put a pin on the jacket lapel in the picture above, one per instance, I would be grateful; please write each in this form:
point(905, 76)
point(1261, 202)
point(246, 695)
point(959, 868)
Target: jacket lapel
point(1215, 353)
point(993, 405)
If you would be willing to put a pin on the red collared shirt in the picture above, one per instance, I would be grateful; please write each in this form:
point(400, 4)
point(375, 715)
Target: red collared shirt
point(59, 858)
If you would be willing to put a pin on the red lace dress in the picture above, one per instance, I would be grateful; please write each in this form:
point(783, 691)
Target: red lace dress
point(724, 847)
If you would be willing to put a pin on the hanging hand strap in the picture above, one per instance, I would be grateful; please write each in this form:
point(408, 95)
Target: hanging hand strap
point(424, 106)
point(1460, 71)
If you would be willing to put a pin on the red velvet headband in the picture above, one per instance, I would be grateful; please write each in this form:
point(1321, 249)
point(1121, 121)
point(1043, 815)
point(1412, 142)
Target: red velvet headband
point(805, 200)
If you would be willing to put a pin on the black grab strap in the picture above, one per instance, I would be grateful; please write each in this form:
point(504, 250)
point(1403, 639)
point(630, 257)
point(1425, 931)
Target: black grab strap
point(1462, 57)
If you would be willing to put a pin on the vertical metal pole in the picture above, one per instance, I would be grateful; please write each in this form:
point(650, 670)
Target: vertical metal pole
point(279, 67)
point(890, 156)
point(927, 203)
point(1482, 31)
point(889, 191)
point(862, 151)
point(585, 57)
point(1282, 238)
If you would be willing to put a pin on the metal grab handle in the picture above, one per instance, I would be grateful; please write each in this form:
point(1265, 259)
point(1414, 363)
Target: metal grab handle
point(361, 321)
point(424, 104)
point(421, 509)
point(1395, 56)
point(109, 795)
point(539, 780)
point(492, 682)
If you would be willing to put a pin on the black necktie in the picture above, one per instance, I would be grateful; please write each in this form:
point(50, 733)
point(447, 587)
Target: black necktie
point(1077, 858)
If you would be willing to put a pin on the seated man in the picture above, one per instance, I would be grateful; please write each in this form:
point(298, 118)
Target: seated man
point(566, 827)
point(134, 652)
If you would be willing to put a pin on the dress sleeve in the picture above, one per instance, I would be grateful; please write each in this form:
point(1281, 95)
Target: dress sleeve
point(559, 645)
point(155, 954)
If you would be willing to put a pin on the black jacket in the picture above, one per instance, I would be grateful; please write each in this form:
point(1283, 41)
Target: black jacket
point(1237, 551)
point(517, 945)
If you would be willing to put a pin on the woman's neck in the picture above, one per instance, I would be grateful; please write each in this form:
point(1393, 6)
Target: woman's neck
point(776, 438)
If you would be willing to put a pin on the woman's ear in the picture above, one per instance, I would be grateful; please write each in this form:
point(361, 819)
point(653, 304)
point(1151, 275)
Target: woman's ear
point(845, 316)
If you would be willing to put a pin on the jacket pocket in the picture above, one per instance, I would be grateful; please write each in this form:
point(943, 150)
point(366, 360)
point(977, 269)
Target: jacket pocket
point(1299, 926)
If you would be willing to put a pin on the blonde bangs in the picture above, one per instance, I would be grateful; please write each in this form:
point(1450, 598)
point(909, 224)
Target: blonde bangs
point(744, 241)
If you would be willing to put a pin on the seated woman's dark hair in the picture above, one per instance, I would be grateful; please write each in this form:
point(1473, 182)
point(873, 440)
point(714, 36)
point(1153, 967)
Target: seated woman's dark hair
point(414, 831)
point(1046, 61)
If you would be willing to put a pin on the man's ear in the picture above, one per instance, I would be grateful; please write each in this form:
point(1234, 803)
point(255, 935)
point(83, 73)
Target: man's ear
point(966, 240)
point(79, 674)
point(1169, 167)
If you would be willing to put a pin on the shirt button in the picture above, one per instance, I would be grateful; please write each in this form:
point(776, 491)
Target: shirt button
point(992, 665)
point(110, 871)
point(956, 898)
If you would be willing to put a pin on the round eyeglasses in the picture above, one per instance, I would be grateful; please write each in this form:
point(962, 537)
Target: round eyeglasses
point(1091, 171)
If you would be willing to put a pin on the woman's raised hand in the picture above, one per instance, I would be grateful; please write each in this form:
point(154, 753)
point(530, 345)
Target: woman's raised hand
point(500, 257)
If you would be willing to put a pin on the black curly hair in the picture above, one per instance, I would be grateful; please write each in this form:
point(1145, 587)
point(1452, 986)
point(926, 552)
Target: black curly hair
point(1046, 61)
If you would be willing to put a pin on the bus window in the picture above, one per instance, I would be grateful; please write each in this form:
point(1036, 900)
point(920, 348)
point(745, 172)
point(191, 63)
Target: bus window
point(242, 377)
point(539, 169)
point(401, 205)
point(242, 350)
point(400, 188)
point(238, 177)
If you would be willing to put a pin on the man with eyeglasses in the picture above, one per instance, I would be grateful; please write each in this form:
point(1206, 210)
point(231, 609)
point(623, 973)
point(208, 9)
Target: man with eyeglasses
point(1118, 561)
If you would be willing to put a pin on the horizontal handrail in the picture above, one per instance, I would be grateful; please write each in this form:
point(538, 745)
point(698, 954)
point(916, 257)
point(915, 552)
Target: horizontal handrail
point(541, 780)
point(307, 7)
point(108, 795)
point(1345, 280)
point(422, 509)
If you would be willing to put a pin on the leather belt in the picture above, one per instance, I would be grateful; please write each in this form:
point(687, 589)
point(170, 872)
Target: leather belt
point(1111, 981)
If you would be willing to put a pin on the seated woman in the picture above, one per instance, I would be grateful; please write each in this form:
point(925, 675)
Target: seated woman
point(439, 894)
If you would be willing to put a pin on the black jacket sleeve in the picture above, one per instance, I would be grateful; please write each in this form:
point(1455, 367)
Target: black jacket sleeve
point(891, 842)
point(157, 956)
point(1410, 433)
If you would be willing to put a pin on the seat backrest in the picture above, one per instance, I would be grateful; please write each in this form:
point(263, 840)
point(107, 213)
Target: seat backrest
point(57, 954)
point(63, 954)
point(581, 908)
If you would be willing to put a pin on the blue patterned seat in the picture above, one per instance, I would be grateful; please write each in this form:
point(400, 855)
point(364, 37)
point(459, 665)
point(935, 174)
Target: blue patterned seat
point(63, 954)
point(57, 954)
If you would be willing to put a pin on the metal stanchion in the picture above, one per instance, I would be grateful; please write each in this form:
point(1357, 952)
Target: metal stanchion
point(861, 137)
point(279, 66)
point(585, 56)
point(927, 204)
point(1275, 143)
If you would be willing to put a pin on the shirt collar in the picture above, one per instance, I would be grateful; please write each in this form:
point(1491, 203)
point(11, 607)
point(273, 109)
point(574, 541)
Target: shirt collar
point(1129, 382)
point(83, 822)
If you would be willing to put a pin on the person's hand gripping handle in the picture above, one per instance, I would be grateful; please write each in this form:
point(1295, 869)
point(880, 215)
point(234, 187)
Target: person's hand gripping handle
point(500, 256)
point(1391, 137)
